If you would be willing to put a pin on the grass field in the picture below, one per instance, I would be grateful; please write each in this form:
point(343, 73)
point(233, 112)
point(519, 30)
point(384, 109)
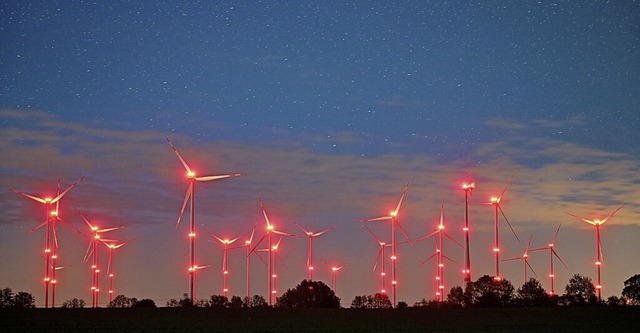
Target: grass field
point(556, 319)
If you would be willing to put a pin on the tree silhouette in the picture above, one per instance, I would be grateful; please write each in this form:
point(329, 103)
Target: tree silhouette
point(6, 298)
point(487, 291)
point(309, 294)
point(145, 303)
point(377, 301)
point(23, 299)
point(580, 291)
point(122, 301)
point(456, 296)
point(74, 303)
point(531, 293)
point(631, 290)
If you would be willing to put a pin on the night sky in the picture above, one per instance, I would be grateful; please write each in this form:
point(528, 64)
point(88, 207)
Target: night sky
point(329, 109)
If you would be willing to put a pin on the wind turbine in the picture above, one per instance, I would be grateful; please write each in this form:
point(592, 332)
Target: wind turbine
point(439, 254)
point(334, 273)
point(525, 260)
point(466, 269)
point(495, 202)
point(311, 235)
point(112, 245)
point(552, 253)
point(393, 217)
point(380, 258)
point(270, 259)
point(191, 194)
point(276, 256)
point(225, 242)
point(597, 223)
point(48, 202)
point(94, 252)
point(247, 244)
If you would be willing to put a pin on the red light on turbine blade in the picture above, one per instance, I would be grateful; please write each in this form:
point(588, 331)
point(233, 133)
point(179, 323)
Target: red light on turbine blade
point(97, 270)
point(93, 288)
point(383, 273)
point(93, 266)
point(551, 275)
point(310, 268)
point(225, 290)
point(191, 174)
point(496, 249)
point(273, 276)
point(497, 278)
point(269, 227)
point(225, 272)
point(437, 293)
point(110, 275)
point(440, 265)
point(54, 213)
point(273, 291)
point(394, 257)
point(97, 290)
point(54, 256)
point(53, 281)
point(47, 250)
point(438, 278)
point(440, 287)
point(598, 263)
point(110, 291)
point(192, 234)
point(465, 229)
point(441, 227)
point(383, 291)
point(394, 282)
point(598, 287)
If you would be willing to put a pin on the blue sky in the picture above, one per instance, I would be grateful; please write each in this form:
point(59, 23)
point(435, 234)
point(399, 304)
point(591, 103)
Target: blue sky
point(330, 109)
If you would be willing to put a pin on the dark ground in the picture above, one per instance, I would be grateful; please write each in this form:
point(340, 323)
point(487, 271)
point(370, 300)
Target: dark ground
point(551, 319)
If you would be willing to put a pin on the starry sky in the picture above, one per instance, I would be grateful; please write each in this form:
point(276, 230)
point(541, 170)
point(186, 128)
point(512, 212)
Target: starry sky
point(330, 108)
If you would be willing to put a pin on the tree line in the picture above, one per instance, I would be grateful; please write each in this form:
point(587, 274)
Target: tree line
point(484, 292)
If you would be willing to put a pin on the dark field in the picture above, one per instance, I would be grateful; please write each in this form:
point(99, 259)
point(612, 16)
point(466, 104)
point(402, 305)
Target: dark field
point(559, 319)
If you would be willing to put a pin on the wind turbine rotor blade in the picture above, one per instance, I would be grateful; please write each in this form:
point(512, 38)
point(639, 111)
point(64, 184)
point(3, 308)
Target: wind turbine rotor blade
point(404, 233)
point(66, 191)
point(186, 166)
point(209, 178)
point(555, 237)
point(375, 265)
point(108, 229)
point(374, 235)
point(266, 217)
point(449, 258)
point(214, 236)
point(395, 212)
point(184, 203)
point(506, 186)
point(324, 231)
point(557, 256)
point(381, 218)
point(253, 231)
point(40, 200)
point(38, 226)
point(451, 238)
point(89, 251)
point(511, 259)
point(528, 244)
point(529, 265)
point(69, 225)
point(55, 234)
point(427, 236)
point(282, 233)
point(581, 219)
point(430, 257)
point(258, 243)
point(610, 215)
point(508, 223)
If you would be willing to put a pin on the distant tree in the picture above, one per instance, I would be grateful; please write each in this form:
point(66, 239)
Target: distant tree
point(218, 301)
point(456, 296)
point(421, 303)
point(23, 299)
point(256, 301)
point(186, 302)
point(531, 293)
point(172, 303)
point(580, 291)
point(236, 302)
point(380, 301)
point(121, 301)
point(6, 298)
point(631, 290)
point(203, 303)
point(402, 305)
point(74, 303)
point(616, 301)
point(145, 303)
point(309, 294)
point(487, 291)
point(359, 302)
